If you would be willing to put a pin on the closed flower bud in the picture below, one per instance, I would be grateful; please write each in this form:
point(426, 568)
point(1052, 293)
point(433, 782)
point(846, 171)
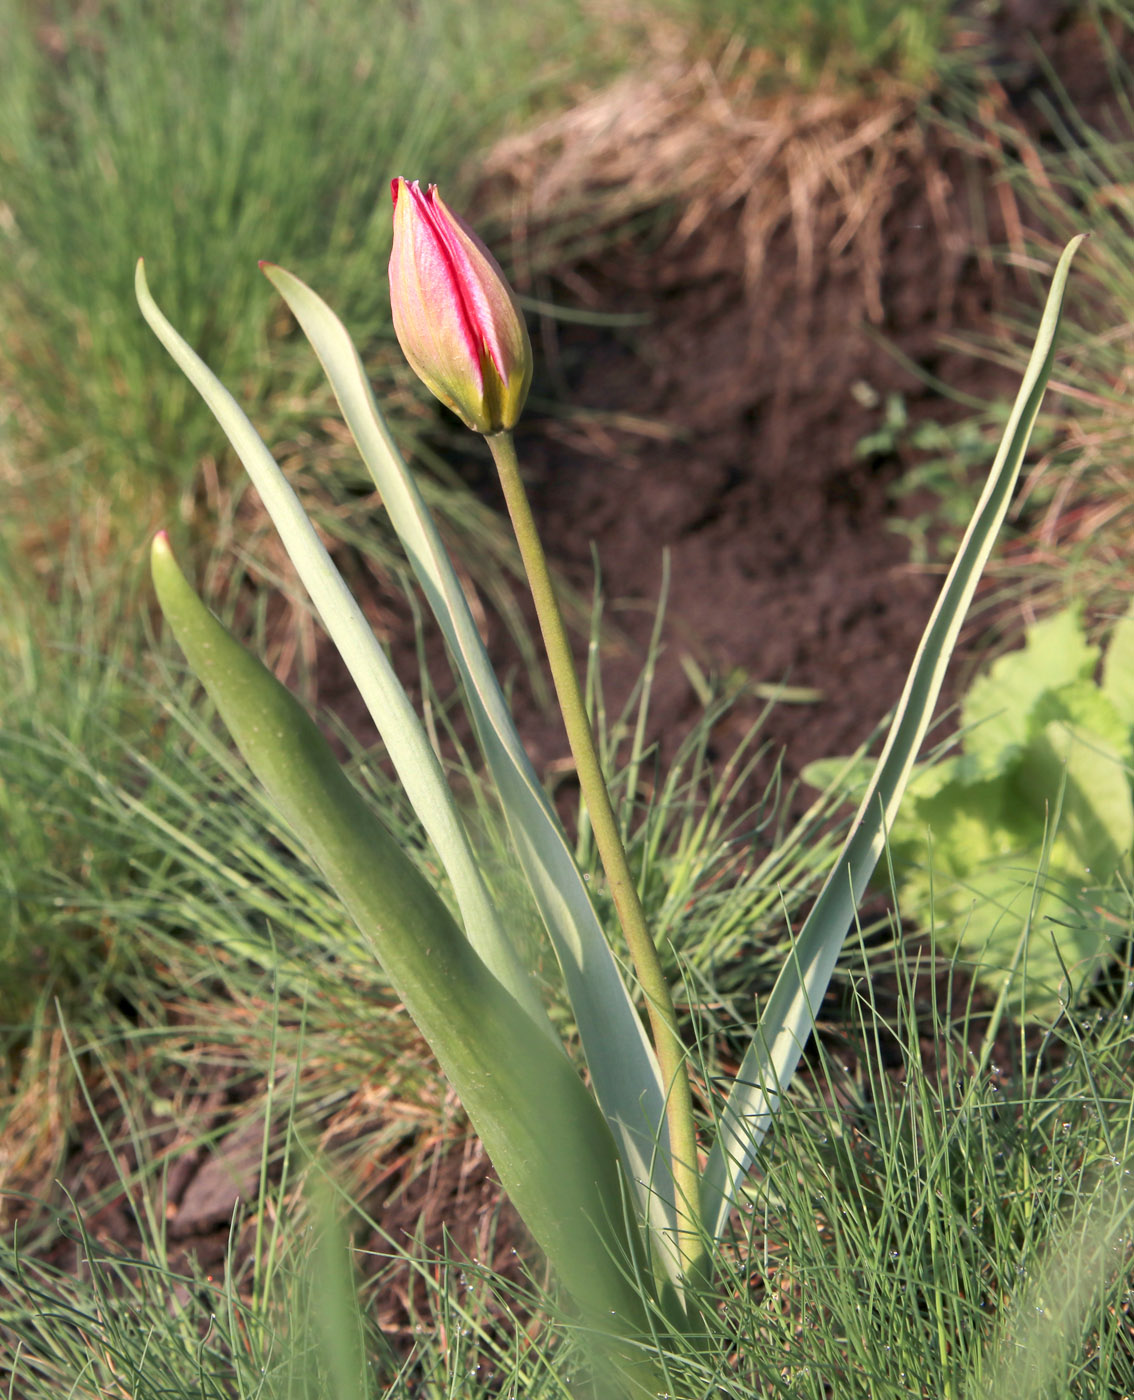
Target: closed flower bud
point(455, 316)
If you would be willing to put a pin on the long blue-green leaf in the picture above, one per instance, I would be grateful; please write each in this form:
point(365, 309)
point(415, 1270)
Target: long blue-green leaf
point(544, 1132)
point(623, 1068)
point(789, 1014)
point(397, 722)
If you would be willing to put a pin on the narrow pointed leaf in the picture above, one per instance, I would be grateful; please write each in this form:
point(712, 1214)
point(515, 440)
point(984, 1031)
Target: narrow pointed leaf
point(397, 722)
point(623, 1067)
point(789, 1014)
point(543, 1131)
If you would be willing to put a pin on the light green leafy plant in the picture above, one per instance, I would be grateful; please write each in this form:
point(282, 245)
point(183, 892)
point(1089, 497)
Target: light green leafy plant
point(608, 1178)
point(1013, 843)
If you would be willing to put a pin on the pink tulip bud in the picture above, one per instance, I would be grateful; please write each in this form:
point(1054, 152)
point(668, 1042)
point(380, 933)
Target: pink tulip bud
point(456, 318)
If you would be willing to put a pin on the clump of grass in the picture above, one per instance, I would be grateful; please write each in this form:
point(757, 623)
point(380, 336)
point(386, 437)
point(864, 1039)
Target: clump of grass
point(844, 43)
point(206, 138)
point(914, 1219)
point(940, 1214)
point(148, 886)
point(119, 919)
point(1074, 509)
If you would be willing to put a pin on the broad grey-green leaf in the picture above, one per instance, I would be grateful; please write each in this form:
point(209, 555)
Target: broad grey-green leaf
point(401, 730)
point(543, 1131)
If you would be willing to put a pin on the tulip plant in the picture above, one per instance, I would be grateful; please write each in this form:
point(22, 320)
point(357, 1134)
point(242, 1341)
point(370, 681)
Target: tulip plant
point(610, 1178)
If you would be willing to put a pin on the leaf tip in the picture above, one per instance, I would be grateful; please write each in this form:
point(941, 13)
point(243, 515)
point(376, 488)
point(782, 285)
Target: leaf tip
point(161, 552)
point(1075, 244)
point(272, 271)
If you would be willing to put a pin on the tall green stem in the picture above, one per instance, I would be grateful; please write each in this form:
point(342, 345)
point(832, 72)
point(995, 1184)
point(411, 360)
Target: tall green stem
point(624, 892)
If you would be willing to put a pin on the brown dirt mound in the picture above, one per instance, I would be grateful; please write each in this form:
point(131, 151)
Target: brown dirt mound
point(793, 238)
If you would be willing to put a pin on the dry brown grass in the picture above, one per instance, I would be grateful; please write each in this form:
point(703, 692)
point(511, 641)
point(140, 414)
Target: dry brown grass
point(694, 141)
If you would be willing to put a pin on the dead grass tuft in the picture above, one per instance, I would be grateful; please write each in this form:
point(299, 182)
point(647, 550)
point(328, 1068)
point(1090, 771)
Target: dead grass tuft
point(35, 1125)
point(695, 141)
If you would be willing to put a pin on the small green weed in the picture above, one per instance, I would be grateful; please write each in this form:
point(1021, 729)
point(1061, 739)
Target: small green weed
point(942, 466)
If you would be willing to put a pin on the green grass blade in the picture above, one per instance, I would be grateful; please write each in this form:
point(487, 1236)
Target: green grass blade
point(789, 1014)
point(397, 722)
point(546, 1136)
point(623, 1067)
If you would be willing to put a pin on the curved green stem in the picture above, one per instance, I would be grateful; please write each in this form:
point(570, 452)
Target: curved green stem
point(612, 852)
